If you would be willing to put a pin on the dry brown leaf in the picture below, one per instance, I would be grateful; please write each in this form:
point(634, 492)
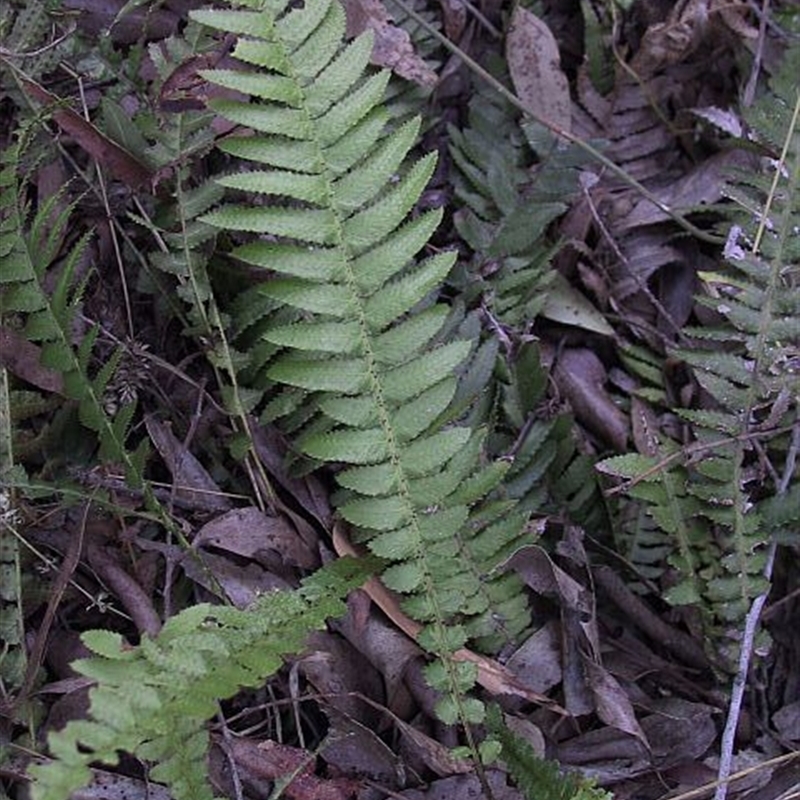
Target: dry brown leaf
point(384, 646)
point(242, 584)
point(466, 787)
point(438, 758)
point(118, 161)
point(23, 359)
point(678, 730)
point(702, 186)
point(535, 67)
point(673, 40)
point(342, 674)
point(392, 46)
point(273, 761)
point(579, 626)
point(193, 484)
point(537, 661)
point(251, 533)
point(454, 13)
point(355, 749)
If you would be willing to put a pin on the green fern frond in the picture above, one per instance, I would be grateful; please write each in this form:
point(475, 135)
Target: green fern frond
point(346, 320)
point(141, 704)
point(29, 245)
point(536, 777)
point(711, 503)
point(511, 191)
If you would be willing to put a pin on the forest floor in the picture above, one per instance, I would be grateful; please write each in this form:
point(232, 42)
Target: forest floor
point(635, 658)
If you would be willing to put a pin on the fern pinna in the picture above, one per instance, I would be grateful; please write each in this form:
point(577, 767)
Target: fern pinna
point(345, 320)
point(716, 502)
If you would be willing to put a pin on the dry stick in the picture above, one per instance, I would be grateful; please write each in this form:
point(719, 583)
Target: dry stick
point(568, 136)
point(740, 683)
point(136, 601)
point(68, 567)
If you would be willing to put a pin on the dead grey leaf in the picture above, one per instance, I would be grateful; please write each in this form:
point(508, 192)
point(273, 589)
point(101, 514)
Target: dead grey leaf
point(526, 730)
point(250, 533)
point(612, 703)
point(454, 13)
point(385, 647)
point(392, 46)
point(309, 491)
point(338, 671)
point(702, 186)
point(354, 749)
point(242, 584)
point(537, 662)
point(535, 67)
point(787, 721)
point(466, 787)
point(438, 758)
point(678, 731)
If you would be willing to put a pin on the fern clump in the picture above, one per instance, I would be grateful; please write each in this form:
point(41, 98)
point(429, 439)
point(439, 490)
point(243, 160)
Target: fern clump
point(344, 334)
point(153, 700)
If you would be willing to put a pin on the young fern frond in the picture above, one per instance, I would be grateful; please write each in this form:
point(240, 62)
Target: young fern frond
point(29, 244)
point(154, 700)
point(347, 321)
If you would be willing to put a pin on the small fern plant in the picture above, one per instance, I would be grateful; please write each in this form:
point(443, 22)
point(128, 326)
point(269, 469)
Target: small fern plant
point(715, 496)
point(344, 334)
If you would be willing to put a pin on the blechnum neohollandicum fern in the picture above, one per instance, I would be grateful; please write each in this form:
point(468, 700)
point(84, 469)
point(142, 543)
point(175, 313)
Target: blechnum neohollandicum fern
point(724, 496)
point(344, 333)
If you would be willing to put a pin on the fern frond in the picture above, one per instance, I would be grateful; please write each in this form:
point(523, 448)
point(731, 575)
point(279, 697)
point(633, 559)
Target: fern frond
point(535, 776)
point(347, 321)
point(29, 244)
point(711, 503)
point(141, 704)
point(511, 190)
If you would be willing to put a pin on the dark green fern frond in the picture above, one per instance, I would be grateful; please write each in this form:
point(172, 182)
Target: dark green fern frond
point(346, 318)
point(510, 192)
point(535, 776)
point(30, 243)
